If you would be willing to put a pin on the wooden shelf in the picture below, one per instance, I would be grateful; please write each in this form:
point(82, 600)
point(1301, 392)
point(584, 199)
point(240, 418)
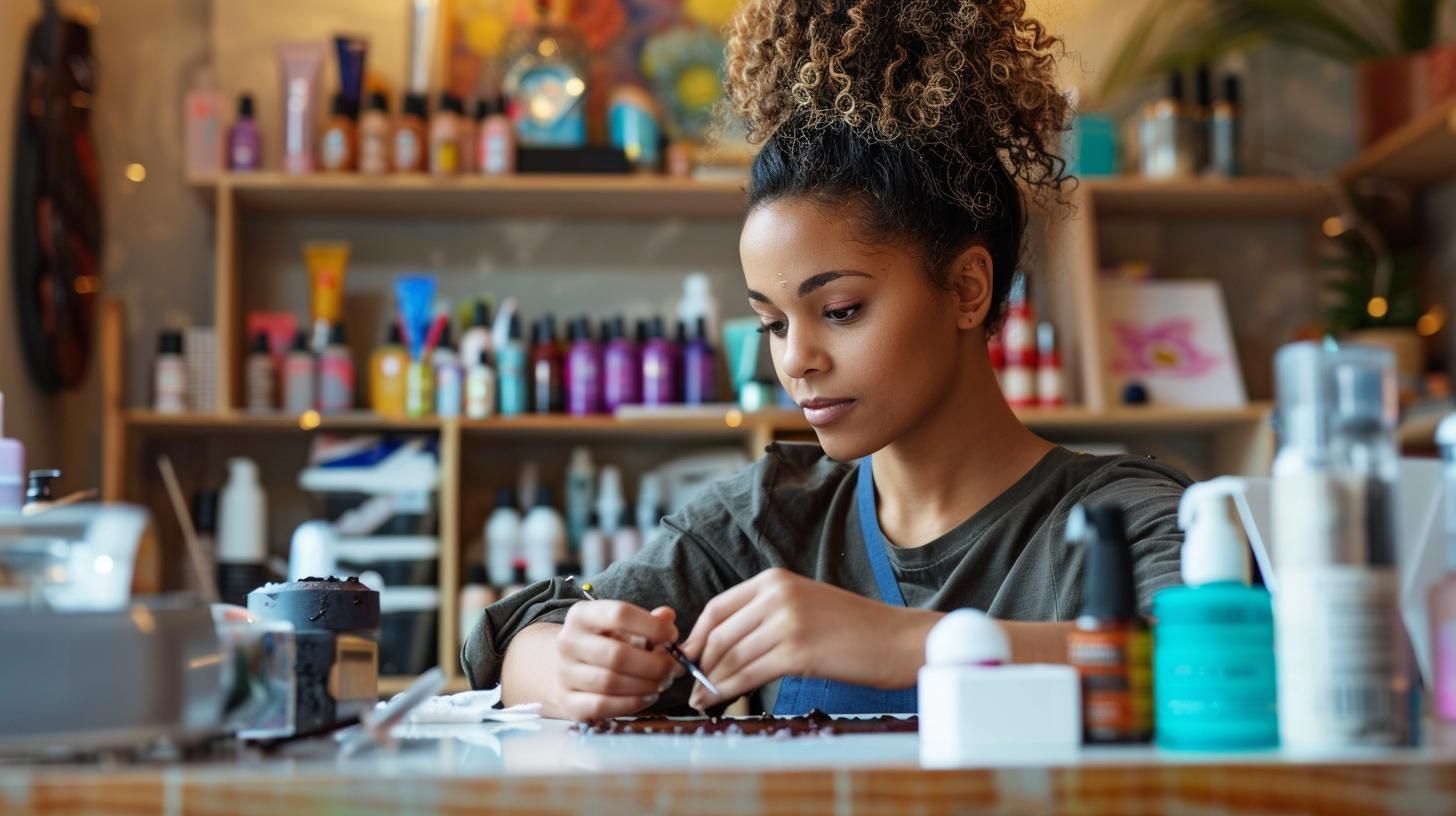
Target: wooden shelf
point(239, 422)
point(417, 196)
point(1208, 198)
point(728, 424)
point(1420, 154)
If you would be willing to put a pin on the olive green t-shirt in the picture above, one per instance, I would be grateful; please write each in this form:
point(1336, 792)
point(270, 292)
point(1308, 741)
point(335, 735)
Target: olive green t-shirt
point(795, 509)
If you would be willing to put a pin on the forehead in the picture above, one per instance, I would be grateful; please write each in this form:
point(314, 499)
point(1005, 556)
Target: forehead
point(798, 237)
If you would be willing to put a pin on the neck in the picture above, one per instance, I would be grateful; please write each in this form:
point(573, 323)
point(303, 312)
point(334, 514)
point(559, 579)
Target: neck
point(957, 460)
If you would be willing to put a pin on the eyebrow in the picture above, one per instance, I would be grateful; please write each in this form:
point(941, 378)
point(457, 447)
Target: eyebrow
point(813, 282)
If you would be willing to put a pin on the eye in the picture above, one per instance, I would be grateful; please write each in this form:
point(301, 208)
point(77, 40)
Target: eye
point(842, 315)
point(777, 328)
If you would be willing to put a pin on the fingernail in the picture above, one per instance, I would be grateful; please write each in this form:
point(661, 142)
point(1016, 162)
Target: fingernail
point(649, 699)
point(666, 684)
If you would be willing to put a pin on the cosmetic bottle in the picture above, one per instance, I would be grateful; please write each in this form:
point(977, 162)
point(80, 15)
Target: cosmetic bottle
point(1224, 131)
point(339, 147)
point(300, 376)
point(445, 137)
point(449, 378)
point(202, 127)
point(496, 152)
point(659, 375)
point(374, 136)
point(700, 368)
point(583, 371)
point(242, 544)
point(336, 375)
point(1050, 382)
point(260, 377)
point(169, 375)
point(1169, 135)
point(245, 140)
point(511, 363)
point(1018, 378)
point(626, 541)
point(596, 549)
point(548, 395)
point(503, 538)
point(543, 537)
point(622, 384)
point(476, 338)
point(480, 396)
point(1214, 686)
point(1110, 648)
point(579, 477)
point(1339, 642)
point(387, 375)
point(610, 500)
point(411, 135)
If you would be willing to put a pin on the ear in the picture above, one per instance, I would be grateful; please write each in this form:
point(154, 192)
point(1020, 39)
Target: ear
point(970, 286)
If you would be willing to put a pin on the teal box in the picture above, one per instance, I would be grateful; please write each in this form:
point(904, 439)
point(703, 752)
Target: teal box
point(1091, 146)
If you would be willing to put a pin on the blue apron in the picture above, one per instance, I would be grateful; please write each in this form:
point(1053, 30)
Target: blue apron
point(799, 695)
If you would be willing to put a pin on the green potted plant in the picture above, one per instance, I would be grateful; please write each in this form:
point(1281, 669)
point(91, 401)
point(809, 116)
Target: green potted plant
point(1401, 72)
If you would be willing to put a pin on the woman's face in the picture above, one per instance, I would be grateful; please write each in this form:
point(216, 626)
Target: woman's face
point(862, 339)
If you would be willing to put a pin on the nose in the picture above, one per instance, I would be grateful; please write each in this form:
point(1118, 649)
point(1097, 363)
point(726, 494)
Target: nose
point(802, 354)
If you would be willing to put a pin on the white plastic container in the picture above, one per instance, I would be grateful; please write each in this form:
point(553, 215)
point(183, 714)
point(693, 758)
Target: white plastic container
point(242, 532)
point(610, 501)
point(543, 538)
point(313, 551)
point(503, 539)
point(974, 708)
point(698, 301)
point(579, 476)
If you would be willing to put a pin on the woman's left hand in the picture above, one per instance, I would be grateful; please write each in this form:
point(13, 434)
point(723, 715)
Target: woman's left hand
point(779, 623)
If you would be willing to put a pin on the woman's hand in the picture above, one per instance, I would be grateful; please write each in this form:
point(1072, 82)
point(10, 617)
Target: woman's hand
point(779, 623)
point(609, 661)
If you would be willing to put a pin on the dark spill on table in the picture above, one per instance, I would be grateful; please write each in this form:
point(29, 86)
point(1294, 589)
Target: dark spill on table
point(815, 723)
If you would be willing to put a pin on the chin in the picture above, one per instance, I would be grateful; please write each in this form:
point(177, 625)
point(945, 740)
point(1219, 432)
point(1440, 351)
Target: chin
point(843, 445)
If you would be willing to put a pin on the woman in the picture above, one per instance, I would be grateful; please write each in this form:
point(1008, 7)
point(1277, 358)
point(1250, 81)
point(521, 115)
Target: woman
point(885, 223)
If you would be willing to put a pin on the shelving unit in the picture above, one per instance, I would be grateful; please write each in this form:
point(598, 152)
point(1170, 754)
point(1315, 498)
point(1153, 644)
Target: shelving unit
point(1420, 154)
point(1230, 440)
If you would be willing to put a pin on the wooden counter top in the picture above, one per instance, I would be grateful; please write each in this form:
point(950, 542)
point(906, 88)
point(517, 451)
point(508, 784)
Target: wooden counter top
point(546, 768)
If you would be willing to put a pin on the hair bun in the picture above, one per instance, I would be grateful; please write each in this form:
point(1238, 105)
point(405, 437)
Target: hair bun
point(973, 81)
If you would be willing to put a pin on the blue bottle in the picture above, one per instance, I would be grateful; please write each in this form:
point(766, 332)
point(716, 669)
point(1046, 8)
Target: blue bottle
point(1214, 685)
point(511, 363)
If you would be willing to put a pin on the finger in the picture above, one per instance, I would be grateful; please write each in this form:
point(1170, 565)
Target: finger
point(622, 620)
point(742, 654)
point(587, 707)
point(742, 623)
point(718, 610)
point(616, 656)
point(597, 680)
point(669, 613)
point(769, 666)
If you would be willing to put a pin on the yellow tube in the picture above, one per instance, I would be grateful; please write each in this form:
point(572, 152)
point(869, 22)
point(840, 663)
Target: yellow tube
point(327, 261)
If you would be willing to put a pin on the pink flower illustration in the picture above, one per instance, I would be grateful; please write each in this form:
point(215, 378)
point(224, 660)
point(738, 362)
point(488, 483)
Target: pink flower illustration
point(1165, 348)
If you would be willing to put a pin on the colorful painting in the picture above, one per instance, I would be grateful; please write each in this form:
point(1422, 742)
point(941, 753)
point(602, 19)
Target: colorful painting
point(1173, 338)
point(674, 48)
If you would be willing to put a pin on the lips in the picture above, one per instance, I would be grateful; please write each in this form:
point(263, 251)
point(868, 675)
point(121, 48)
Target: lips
point(821, 411)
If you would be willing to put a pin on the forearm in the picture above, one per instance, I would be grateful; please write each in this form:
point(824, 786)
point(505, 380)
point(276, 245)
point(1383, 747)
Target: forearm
point(528, 673)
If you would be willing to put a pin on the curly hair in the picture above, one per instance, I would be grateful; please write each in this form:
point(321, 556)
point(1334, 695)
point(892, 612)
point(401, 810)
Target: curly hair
point(935, 114)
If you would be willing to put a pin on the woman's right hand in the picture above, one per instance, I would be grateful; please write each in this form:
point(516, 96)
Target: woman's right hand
point(610, 660)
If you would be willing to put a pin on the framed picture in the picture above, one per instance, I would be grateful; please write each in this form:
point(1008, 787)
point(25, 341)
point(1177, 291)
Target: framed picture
point(1172, 337)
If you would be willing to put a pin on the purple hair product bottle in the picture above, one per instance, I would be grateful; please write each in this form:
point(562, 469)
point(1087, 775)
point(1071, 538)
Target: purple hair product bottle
point(659, 374)
point(700, 368)
point(583, 371)
point(621, 367)
point(679, 349)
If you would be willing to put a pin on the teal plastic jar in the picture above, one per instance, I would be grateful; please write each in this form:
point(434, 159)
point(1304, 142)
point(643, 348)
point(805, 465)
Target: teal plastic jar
point(1214, 685)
